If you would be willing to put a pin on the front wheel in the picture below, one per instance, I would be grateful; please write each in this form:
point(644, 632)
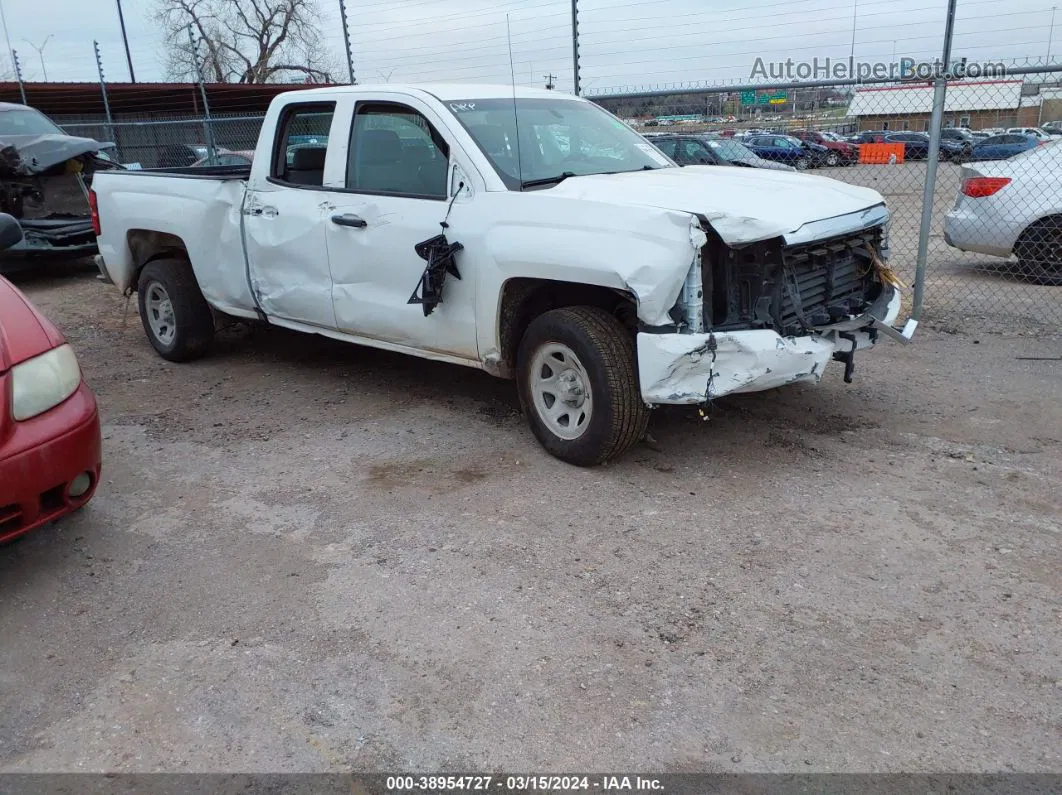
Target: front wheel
point(176, 317)
point(578, 383)
point(832, 159)
point(802, 164)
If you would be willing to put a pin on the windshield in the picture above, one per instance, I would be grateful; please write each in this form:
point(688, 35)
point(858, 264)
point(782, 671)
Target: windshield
point(729, 149)
point(26, 121)
point(558, 138)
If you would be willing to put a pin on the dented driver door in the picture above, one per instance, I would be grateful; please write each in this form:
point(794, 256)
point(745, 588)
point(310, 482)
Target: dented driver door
point(398, 190)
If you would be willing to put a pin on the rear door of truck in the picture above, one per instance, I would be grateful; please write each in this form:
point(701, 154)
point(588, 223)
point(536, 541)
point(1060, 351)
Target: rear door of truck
point(286, 214)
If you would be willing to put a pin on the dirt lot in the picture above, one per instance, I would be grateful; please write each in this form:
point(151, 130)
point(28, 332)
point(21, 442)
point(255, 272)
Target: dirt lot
point(311, 556)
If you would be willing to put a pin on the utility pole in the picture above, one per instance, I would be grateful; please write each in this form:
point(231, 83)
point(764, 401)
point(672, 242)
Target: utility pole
point(855, 12)
point(550, 78)
point(125, 40)
point(40, 52)
point(346, 42)
point(575, 45)
point(1051, 34)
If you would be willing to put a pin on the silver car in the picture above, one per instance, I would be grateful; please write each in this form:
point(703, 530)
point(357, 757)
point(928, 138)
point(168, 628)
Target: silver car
point(1013, 207)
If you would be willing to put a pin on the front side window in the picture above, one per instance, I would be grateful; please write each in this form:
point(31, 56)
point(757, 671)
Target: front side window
point(301, 144)
point(394, 149)
point(557, 138)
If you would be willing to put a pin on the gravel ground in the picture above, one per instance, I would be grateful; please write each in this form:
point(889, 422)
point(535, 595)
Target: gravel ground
point(310, 556)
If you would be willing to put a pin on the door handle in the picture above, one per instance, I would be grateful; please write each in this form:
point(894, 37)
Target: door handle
point(349, 219)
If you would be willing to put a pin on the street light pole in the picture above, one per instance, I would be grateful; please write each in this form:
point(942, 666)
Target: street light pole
point(40, 52)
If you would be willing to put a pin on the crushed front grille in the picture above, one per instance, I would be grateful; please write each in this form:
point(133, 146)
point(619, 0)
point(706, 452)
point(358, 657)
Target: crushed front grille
point(789, 288)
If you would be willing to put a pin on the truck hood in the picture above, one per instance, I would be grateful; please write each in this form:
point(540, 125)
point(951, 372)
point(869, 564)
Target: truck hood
point(24, 332)
point(31, 154)
point(743, 205)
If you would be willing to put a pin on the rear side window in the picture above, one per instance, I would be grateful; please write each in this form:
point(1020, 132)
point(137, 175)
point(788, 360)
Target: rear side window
point(667, 147)
point(301, 144)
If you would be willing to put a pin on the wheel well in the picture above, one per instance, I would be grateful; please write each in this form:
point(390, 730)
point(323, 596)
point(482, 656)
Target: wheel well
point(147, 245)
point(524, 299)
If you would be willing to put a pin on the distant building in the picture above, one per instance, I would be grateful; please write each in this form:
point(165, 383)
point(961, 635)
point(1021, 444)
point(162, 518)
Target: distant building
point(991, 103)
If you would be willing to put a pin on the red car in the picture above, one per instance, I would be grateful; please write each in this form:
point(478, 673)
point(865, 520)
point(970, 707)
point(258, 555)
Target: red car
point(49, 425)
point(841, 153)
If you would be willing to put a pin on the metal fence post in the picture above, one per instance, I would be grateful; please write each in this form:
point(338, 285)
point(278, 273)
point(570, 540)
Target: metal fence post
point(103, 92)
point(575, 45)
point(18, 76)
point(208, 129)
point(346, 42)
point(940, 88)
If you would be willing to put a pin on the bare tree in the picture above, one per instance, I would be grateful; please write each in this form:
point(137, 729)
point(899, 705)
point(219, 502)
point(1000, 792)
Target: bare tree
point(245, 41)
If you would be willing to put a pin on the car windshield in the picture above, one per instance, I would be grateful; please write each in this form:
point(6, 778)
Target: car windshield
point(729, 149)
point(558, 138)
point(26, 121)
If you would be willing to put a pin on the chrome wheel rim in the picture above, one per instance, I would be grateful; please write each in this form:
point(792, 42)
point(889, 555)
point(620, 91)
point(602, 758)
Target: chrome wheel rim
point(560, 391)
point(160, 313)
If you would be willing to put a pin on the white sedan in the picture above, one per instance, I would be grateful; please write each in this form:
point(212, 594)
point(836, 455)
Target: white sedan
point(1013, 206)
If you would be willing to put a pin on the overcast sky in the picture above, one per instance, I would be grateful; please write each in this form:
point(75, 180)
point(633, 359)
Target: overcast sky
point(624, 43)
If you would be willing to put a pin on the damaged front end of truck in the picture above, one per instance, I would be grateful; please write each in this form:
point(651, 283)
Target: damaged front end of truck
point(44, 181)
point(765, 311)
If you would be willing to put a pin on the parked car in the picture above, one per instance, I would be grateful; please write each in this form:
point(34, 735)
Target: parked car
point(580, 272)
point(43, 172)
point(1000, 147)
point(1013, 206)
point(49, 424)
point(916, 146)
point(710, 150)
point(1038, 133)
point(197, 154)
point(1052, 127)
point(786, 149)
point(841, 153)
point(868, 137)
point(957, 135)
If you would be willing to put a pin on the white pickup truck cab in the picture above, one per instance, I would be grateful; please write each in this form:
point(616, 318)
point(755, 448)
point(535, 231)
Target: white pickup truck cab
point(525, 232)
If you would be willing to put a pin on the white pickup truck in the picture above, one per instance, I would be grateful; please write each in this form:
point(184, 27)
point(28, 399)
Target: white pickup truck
point(525, 232)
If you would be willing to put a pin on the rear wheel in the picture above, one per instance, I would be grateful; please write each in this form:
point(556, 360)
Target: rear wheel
point(802, 164)
point(832, 159)
point(177, 319)
point(1039, 252)
point(578, 383)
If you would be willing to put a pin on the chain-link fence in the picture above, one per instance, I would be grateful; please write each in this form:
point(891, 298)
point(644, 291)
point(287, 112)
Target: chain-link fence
point(992, 251)
point(176, 142)
point(993, 248)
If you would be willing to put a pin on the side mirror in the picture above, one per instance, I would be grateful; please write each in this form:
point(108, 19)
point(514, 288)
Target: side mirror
point(10, 232)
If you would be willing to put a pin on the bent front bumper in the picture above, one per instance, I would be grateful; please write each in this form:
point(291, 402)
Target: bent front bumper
point(683, 368)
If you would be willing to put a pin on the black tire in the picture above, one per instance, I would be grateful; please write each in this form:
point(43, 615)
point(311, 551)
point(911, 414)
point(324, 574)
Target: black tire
point(832, 159)
point(192, 329)
point(1039, 252)
point(802, 164)
point(606, 351)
